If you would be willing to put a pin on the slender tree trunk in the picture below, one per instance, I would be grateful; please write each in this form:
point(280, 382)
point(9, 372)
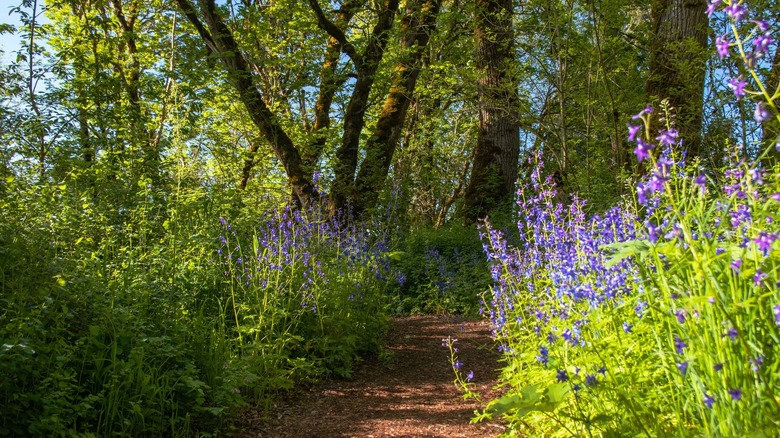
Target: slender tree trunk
point(494, 169)
point(677, 61)
point(416, 26)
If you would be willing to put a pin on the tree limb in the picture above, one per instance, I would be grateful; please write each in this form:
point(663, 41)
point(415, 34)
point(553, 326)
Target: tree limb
point(336, 32)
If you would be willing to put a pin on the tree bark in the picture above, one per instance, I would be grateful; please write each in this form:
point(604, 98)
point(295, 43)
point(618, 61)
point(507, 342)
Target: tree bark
point(330, 82)
point(416, 27)
point(494, 169)
point(354, 119)
point(677, 62)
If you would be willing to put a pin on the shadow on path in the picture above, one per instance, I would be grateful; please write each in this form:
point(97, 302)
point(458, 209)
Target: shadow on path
point(415, 397)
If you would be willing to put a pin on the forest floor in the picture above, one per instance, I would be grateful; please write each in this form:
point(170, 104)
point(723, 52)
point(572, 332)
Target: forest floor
point(409, 395)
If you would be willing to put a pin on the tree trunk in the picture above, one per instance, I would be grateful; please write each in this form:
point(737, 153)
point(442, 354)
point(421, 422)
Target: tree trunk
point(416, 26)
point(354, 119)
point(220, 42)
point(330, 82)
point(498, 141)
point(677, 62)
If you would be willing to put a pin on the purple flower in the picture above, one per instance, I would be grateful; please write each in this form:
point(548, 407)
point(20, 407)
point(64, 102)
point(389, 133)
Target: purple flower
point(668, 137)
point(755, 363)
point(680, 314)
point(717, 367)
point(683, 367)
point(591, 380)
point(759, 277)
point(762, 26)
point(761, 113)
point(732, 333)
point(470, 376)
point(708, 400)
point(737, 84)
point(642, 150)
point(679, 345)
point(736, 265)
point(762, 43)
point(648, 110)
point(764, 241)
point(457, 364)
point(736, 394)
point(712, 6)
point(543, 357)
point(701, 181)
point(633, 130)
point(627, 327)
point(776, 311)
point(722, 44)
point(736, 11)
point(562, 376)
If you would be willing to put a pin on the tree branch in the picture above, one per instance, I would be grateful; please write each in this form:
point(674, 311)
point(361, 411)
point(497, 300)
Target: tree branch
point(336, 32)
point(189, 12)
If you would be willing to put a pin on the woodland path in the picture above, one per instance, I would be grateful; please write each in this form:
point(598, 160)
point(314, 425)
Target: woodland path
point(411, 396)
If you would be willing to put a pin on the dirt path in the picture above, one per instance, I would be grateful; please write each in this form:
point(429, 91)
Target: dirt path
point(414, 397)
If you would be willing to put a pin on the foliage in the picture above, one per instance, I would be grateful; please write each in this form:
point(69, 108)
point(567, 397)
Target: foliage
point(657, 318)
point(135, 325)
point(444, 271)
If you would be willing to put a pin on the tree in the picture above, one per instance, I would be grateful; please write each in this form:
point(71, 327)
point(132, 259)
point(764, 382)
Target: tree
point(494, 169)
point(678, 57)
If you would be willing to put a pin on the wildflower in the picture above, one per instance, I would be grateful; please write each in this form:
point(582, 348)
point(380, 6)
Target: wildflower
point(737, 84)
point(759, 277)
point(732, 333)
point(776, 311)
point(680, 315)
point(712, 6)
point(457, 364)
point(591, 380)
point(762, 43)
point(736, 11)
point(701, 181)
point(679, 345)
point(717, 367)
point(708, 400)
point(633, 130)
point(668, 137)
point(736, 265)
point(762, 26)
point(627, 327)
point(683, 367)
point(761, 113)
point(562, 376)
point(755, 363)
point(642, 150)
point(736, 394)
point(470, 376)
point(647, 110)
point(722, 44)
point(543, 357)
point(764, 241)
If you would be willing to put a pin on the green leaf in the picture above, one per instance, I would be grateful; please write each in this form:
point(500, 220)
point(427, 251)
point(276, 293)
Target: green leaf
point(557, 393)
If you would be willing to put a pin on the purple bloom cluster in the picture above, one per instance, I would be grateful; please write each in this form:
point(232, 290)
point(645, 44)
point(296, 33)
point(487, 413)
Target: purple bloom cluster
point(288, 252)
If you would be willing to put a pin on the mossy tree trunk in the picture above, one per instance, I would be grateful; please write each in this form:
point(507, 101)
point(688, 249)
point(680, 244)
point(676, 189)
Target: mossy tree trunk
point(678, 56)
point(494, 169)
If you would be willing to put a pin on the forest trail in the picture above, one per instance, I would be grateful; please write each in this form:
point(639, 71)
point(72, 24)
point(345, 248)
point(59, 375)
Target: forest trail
point(412, 395)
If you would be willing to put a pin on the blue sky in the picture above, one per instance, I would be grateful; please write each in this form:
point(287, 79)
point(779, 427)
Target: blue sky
point(9, 43)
